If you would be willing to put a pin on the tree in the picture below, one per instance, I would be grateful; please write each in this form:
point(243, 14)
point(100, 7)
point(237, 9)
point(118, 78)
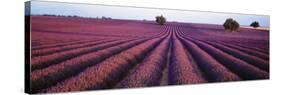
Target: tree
point(160, 20)
point(231, 25)
point(103, 17)
point(255, 24)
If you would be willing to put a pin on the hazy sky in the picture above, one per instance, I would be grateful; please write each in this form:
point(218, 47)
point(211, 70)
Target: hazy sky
point(117, 12)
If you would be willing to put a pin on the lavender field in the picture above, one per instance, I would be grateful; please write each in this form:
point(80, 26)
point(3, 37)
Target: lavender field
point(78, 54)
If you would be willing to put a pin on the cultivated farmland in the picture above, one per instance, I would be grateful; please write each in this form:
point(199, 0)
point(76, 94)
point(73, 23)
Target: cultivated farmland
point(78, 54)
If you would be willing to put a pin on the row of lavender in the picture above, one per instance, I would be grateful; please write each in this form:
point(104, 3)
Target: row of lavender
point(195, 57)
point(245, 62)
point(52, 64)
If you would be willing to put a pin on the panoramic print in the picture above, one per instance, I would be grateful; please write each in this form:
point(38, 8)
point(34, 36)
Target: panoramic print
point(81, 47)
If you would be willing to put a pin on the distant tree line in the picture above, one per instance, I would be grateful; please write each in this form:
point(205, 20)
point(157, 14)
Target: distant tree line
point(106, 18)
point(75, 16)
point(230, 25)
point(60, 15)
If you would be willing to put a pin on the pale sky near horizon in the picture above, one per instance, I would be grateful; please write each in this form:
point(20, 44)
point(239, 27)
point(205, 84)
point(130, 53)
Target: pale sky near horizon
point(118, 12)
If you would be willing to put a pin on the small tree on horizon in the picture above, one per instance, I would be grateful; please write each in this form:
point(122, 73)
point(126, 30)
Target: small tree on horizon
point(160, 20)
point(255, 24)
point(231, 25)
point(103, 17)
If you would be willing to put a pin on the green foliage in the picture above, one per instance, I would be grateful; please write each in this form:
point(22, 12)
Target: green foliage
point(160, 20)
point(255, 24)
point(231, 25)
